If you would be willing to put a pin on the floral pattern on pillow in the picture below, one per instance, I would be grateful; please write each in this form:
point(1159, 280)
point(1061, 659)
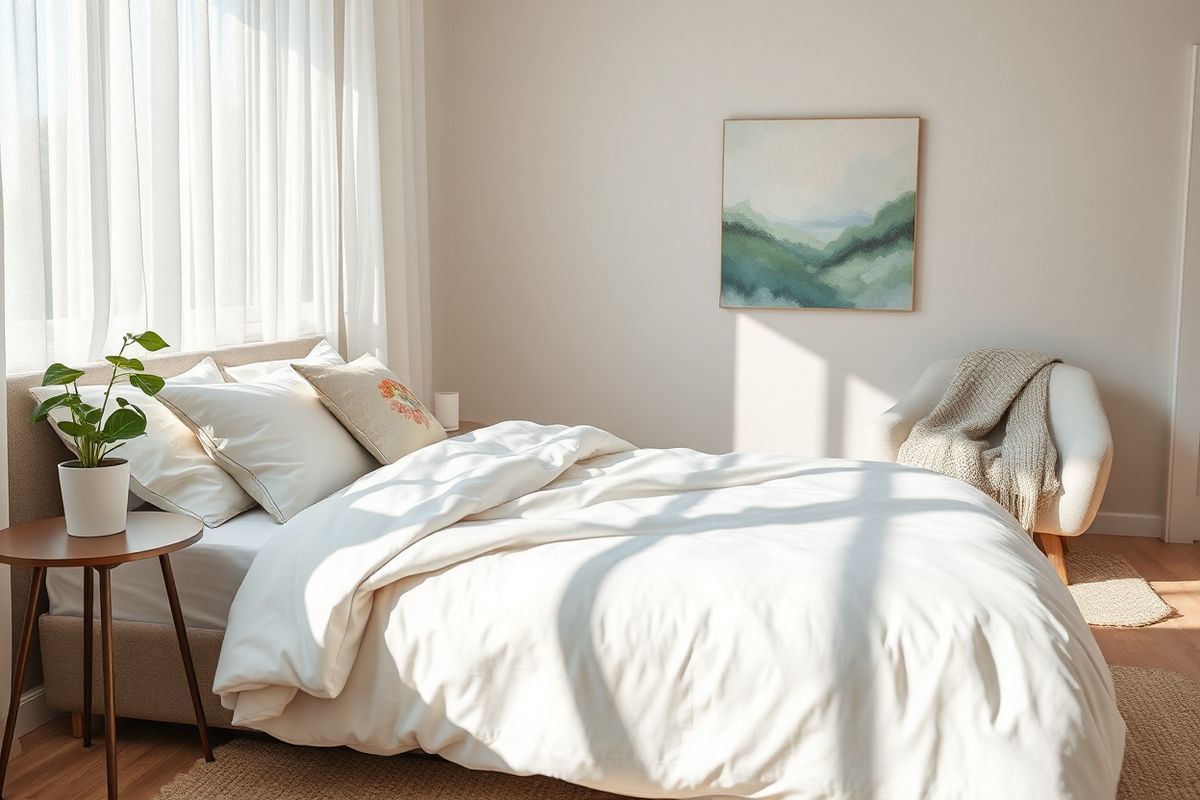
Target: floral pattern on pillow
point(371, 402)
point(404, 402)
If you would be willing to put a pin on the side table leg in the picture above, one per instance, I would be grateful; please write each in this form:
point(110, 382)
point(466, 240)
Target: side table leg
point(185, 652)
point(14, 699)
point(110, 699)
point(88, 606)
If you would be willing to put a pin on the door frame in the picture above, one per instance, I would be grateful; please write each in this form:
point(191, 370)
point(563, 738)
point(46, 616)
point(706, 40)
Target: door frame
point(1182, 523)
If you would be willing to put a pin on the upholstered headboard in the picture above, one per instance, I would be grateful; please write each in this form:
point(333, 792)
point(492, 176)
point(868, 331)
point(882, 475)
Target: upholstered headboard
point(34, 451)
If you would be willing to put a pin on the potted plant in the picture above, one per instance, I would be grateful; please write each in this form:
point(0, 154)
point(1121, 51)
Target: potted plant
point(95, 486)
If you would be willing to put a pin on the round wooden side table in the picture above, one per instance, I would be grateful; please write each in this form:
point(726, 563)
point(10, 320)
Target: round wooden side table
point(45, 543)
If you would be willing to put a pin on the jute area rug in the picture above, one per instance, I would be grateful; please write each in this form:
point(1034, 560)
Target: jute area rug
point(1110, 592)
point(1162, 718)
point(1161, 708)
point(254, 769)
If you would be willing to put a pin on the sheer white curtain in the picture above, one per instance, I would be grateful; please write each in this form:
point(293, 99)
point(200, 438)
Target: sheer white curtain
point(168, 165)
point(385, 245)
point(6, 653)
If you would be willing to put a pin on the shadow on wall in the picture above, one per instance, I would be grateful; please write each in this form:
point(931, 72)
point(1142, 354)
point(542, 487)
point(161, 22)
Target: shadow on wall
point(1132, 418)
point(789, 398)
point(822, 399)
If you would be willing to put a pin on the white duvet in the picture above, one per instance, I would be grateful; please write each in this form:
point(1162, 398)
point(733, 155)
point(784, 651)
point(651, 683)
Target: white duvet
point(664, 623)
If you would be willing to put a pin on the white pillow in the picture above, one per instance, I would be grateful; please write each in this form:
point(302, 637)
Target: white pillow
point(167, 467)
point(321, 355)
point(274, 437)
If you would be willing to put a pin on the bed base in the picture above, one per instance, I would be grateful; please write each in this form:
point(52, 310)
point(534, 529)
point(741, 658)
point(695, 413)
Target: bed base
point(144, 688)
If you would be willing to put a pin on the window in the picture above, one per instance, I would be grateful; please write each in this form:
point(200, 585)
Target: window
point(169, 166)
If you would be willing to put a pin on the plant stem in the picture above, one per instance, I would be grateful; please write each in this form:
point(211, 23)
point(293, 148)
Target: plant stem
point(96, 449)
point(82, 444)
point(112, 380)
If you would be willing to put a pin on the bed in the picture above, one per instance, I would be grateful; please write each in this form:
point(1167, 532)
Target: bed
point(656, 623)
point(666, 623)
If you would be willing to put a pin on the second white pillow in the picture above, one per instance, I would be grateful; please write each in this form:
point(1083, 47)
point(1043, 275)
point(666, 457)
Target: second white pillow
point(323, 353)
point(167, 467)
point(274, 437)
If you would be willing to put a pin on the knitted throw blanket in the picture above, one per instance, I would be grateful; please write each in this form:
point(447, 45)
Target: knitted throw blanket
point(993, 386)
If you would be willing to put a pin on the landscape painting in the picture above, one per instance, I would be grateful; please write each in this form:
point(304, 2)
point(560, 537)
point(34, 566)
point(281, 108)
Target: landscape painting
point(819, 213)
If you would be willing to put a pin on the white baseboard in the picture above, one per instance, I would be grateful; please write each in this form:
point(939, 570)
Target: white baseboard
point(34, 713)
point(1116, 523)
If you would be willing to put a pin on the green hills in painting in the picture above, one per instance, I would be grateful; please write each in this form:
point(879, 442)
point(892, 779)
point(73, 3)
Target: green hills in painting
point(772, 263)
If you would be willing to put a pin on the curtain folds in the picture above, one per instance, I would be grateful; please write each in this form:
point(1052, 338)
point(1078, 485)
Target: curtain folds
point(168, 165)
point(6, 617)
point(385, 247)
point(363, 273)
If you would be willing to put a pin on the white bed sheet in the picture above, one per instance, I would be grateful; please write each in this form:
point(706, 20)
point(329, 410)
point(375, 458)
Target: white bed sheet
point(207, 575)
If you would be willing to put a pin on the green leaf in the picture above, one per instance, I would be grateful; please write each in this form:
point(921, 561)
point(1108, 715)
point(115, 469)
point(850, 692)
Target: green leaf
point(60, 375)
point(90, 414)
point(121, 362)
point(150, 384)
point(150, 341)
point(73, 400)
point(122, 402)
point(43, 408)
point(76, 430)
point(124, 423)
point(131, 408)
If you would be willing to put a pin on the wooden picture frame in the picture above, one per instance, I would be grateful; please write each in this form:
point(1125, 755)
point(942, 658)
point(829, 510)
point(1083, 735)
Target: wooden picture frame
point(820, 213)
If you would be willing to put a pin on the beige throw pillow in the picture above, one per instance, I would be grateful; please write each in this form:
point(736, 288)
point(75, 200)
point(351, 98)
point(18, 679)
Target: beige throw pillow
point(369, 400)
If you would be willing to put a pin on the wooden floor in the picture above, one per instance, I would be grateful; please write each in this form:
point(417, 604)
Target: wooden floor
point(54, 766)
point(1174, 572)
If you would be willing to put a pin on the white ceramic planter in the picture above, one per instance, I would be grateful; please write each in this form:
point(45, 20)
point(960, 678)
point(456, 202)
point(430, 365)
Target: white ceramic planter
point(95, 500)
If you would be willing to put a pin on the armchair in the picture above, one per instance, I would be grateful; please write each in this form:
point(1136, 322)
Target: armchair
point(1078, 427)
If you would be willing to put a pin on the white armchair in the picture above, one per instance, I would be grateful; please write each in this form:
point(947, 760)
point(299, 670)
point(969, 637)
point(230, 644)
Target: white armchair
point(1078, 427)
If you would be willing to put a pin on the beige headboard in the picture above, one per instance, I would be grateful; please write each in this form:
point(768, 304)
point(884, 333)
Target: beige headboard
point(34, 451)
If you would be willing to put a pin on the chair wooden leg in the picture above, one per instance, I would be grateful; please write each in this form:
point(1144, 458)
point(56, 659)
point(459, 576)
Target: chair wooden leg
point(77, 724)
point(1052, 546)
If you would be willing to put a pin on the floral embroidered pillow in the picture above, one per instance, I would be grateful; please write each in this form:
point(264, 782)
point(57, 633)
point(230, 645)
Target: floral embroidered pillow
point(379, 411)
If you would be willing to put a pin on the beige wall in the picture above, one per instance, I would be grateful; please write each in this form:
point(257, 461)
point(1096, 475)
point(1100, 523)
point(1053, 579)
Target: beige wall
point(575, 173)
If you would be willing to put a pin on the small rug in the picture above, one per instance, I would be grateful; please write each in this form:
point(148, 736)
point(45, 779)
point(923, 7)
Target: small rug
point(1110, 592)
point(1162, 717)
point(1161, 710)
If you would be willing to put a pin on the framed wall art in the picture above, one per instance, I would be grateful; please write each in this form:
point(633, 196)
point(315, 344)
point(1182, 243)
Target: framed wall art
point(819, 213)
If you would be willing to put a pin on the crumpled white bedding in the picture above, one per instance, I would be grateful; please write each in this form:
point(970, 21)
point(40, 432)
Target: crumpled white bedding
point(665, 623)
